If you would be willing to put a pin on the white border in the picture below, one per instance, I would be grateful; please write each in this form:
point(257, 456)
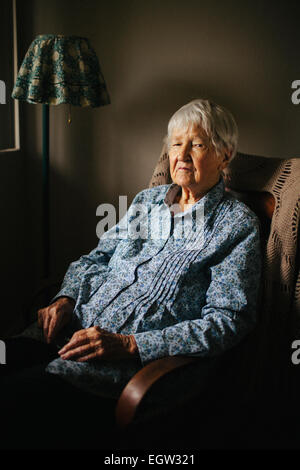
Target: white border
point(15, 63)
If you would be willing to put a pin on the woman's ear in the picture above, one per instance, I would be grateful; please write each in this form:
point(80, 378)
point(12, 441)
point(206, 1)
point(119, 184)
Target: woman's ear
point(225, 160)
point(227, 157)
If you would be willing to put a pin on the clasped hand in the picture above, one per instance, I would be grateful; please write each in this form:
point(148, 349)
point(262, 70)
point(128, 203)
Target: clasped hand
point(86, 344)
point(96, 343)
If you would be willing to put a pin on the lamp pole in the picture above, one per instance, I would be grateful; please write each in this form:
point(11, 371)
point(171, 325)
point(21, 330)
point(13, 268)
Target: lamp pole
point(46, 199)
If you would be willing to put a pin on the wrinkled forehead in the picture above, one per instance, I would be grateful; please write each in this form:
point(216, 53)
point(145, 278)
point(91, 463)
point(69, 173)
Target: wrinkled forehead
point(189, 131)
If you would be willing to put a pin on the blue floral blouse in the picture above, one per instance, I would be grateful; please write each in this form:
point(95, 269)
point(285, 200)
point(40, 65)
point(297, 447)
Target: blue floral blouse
point(179, 292)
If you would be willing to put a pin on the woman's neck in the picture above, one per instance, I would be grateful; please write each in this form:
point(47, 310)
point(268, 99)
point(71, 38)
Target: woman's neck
point(187, 197)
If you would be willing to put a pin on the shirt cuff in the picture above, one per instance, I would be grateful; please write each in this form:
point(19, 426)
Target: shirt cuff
point(151, 346)
point(65, 293)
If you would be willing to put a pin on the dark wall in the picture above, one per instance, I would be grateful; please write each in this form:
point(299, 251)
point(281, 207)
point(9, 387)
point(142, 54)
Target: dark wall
point(6, 75)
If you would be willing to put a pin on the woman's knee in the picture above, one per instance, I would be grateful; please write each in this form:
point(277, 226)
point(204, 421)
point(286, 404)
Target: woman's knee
point(22, 353)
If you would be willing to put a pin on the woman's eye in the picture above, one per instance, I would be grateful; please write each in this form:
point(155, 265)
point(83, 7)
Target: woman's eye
point(198, 145)
point(176, 145)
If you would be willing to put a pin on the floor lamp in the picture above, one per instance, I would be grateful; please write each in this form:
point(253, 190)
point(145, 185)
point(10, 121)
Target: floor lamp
point(56, 70)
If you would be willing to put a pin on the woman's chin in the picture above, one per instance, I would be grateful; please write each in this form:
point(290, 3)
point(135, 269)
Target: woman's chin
point(184, 180)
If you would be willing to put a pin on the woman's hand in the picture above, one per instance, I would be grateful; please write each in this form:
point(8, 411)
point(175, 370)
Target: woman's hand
point(96, 343)
point(53, 318)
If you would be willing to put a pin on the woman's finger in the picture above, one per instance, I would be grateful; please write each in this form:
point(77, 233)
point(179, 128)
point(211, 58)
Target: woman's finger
point(73, 344)
point(78, 334)
point(46, 326)
point(78, 351)
point(53, 325)
point(92, 332)
point(93, 355)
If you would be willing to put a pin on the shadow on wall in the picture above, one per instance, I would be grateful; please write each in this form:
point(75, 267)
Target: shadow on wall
point(12, 190)
point(69, 214)
point(241, 55)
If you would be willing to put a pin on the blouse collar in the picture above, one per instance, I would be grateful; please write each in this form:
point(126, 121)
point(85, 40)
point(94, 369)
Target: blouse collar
point(209, 201)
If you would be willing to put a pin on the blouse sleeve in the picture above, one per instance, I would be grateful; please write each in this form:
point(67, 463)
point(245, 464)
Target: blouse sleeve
point(95, 264)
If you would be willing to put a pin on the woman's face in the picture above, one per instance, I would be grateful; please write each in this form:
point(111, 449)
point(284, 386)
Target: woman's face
point(194, 164)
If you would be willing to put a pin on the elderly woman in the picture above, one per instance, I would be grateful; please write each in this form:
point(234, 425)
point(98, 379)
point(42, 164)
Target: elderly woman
point(188, 286)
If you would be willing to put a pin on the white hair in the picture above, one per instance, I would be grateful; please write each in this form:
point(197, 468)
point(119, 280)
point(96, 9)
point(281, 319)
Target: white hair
point(216, 121)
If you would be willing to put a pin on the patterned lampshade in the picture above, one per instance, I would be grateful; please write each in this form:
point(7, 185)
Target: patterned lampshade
point(61, 69)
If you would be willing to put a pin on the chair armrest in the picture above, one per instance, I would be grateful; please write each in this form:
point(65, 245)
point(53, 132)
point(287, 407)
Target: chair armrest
point(141, 382)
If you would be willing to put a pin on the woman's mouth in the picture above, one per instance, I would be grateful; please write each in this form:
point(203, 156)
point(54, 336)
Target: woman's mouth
point(184, 169)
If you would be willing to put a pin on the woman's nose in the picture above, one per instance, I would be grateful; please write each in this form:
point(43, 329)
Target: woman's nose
point(184, 153)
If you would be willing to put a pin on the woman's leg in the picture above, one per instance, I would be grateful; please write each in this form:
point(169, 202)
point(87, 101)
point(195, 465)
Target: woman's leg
point(23, 353)
point(42, 411)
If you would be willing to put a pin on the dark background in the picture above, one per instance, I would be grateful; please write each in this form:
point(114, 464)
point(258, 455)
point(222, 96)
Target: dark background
point(6, 74)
